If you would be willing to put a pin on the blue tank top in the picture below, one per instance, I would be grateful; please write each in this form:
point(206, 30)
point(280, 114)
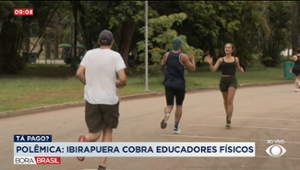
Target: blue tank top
point(174, 75)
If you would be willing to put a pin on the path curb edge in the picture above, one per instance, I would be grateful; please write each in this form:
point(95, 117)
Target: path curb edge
point(14, 113)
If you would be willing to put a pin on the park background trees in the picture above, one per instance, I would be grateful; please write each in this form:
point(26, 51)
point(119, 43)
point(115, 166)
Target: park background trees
point(259, 30)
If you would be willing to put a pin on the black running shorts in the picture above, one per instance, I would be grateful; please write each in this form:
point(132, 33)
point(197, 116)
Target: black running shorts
point(171, 92)
point(227, 82)
point(101, 116)
point(296, 70)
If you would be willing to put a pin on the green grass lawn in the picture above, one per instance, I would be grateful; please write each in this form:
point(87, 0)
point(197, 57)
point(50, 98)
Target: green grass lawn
point(42, 85)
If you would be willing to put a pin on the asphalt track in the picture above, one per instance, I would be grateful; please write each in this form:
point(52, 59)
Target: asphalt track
point(260, 114)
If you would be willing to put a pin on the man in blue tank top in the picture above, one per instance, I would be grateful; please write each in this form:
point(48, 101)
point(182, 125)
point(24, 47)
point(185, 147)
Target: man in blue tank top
point(174, 82)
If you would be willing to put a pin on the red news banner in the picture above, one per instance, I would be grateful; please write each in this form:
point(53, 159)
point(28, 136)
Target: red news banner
point(36, 160)
point(23, 11)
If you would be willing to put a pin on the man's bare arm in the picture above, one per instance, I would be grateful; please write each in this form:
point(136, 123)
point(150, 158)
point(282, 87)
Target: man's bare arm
point(81, 74)
point(294, 58)
point(122, 79)
point(163, 61)
point(190, 64)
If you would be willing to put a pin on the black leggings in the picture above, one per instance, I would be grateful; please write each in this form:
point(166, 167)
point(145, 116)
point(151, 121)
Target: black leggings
point(171, 92)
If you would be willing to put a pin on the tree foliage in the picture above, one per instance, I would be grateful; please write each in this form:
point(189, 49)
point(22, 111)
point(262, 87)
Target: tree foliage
point(259, 30)
point(254, 26)
point(160, 37)
point(279, 17)
point(11, 36)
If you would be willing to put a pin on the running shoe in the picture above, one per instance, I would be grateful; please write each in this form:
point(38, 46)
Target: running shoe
point(82, 138)
point(102, 168)
point(228, 124)
point(163, 123)
point(177, 131)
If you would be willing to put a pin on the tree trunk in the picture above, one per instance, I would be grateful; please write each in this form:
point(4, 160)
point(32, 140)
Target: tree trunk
point(127, 32)
point(56, 46)
point(135, 54)
point(295, 33)
point(75, 29)
point(85, 30)
point(72, 35)
point(47, 49)
point(40, 51)
point(28, 39)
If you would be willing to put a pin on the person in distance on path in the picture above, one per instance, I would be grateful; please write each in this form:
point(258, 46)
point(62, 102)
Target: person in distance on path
point(97, 72)
point(228, 82)
point(174, 82)
point(296, 69)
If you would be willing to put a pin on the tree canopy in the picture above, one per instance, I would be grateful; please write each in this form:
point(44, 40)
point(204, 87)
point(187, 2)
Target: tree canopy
point(260, 31)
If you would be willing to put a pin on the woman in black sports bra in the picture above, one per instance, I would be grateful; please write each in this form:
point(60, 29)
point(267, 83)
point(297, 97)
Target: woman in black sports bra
point(296, 69)
point(228, 82)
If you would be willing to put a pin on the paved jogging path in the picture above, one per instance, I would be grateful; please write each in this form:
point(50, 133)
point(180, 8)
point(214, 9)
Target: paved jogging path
point(260, 114)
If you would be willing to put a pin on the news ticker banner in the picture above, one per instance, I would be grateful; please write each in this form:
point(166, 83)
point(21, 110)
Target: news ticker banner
point(41, 146)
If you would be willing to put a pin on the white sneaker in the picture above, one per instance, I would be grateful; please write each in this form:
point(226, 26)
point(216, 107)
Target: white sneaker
point(296, 90)
point(176, 131)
